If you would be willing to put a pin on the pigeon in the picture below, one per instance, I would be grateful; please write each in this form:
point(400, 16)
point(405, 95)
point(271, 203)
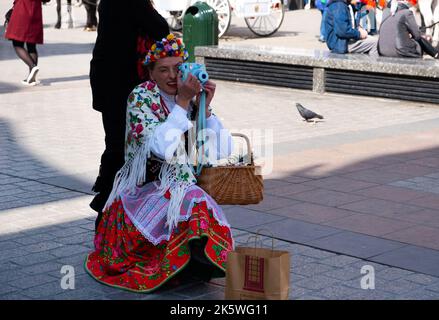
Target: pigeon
point(307, 114)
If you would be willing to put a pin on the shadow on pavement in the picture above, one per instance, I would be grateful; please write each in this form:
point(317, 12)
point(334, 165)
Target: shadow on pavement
point(26, 180)
point(44, 50)
point(40, 253)
point(47, 82)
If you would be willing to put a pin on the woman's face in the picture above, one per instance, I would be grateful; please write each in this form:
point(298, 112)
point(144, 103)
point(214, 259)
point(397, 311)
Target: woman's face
point(165, 73)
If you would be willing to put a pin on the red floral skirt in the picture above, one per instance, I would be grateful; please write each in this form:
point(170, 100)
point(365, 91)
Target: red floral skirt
point(125, 259)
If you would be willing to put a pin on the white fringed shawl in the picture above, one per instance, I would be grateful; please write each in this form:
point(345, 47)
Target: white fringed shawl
point(144, 114)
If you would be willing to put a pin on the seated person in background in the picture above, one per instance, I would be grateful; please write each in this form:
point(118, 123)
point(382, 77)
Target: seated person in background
point(342, 33)
point(400, 35)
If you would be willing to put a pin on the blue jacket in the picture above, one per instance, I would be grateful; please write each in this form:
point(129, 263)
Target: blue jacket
point(338, 27)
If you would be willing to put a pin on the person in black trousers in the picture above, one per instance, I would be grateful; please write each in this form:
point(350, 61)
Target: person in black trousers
point(92, 20)
point(114, 74)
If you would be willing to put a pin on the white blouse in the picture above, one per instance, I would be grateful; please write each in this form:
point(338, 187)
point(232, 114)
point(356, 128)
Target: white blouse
point(167, 135)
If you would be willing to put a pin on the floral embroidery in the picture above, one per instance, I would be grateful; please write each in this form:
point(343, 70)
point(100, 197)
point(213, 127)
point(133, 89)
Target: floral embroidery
point(143, 267)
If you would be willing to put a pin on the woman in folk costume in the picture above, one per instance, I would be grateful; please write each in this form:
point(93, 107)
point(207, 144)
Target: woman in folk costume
point(157, 222)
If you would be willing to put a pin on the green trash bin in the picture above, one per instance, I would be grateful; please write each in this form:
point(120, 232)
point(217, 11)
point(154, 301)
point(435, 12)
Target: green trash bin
point(200, 27)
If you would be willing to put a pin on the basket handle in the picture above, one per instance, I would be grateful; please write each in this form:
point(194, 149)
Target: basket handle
point(247, 140)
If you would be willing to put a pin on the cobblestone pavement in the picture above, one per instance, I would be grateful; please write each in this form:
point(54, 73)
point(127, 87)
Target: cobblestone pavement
point(359, 189)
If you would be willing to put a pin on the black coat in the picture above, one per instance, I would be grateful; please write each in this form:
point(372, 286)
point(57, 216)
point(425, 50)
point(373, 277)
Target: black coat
point(113, 68)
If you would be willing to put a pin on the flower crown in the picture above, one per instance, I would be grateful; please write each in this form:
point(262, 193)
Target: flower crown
point(171, 46)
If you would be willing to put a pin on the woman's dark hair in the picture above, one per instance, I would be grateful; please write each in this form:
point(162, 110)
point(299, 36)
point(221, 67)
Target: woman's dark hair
point(151, 66)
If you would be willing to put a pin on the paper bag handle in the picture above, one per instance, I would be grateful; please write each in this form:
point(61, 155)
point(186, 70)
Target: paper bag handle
point(258, 235)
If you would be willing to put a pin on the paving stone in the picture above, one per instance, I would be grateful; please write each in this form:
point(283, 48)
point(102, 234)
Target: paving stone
point(421, 294)
point(85, 239)
point(64, 232)
point(318, 254)
point(299, 260)
point(310, 297)
point(433, 287)
point(5, 187)
point(311, 212)
point(34, 239)
point(216, 295)
point(393, 274)
point(421, 279)
point(82, 294)
point(355, 244)
point(44, 291)
point(12, 204)
point(327, 197)
point(8, 266)
point(33, 258)
point(8, 245)
point(271, 202)
point(345, 273)
point(50, 268)
point(76, 260)
point(399, 287)
point(8, 199)
point(298, 249)
point(10, 180)
point(372, 295)
point(312, 269)
point(339, 261)
point(11, 192)
point(360, 264)
point(120, 294)
point(298, 231)
point(238, 233)
point(29, 195)
point(6, 289)
point(412, 258)
point(31, 281)
point(297, 292)
point(317, 282)
point(356, 283)
point(24, 183)
point(42, 246)
point(337, 292)
point(90, 226)
point(11, 275)
point(244, 218)
point(85, 281)
point(16, 295)
point(167, 296)
point(11, 254)
point(294, 277)
point(69, 250)
point(66, 195)
point(196, 290)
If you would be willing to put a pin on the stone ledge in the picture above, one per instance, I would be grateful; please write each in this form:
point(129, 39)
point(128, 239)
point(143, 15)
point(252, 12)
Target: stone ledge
point(322, 59)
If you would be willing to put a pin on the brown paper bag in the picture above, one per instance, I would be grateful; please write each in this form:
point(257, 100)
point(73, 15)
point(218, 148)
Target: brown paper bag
point(257, 274)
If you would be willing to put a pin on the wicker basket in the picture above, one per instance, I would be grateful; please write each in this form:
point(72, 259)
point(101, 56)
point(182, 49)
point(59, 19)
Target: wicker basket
point(234, 184)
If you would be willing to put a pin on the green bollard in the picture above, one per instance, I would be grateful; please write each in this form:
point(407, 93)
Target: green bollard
point(200, 27)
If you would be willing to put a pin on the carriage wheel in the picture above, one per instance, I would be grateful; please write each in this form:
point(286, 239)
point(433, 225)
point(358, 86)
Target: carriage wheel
point(222, 8)
point(265, 26)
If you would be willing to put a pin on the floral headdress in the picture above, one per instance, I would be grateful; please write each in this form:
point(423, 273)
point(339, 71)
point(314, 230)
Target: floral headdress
point(171, 46)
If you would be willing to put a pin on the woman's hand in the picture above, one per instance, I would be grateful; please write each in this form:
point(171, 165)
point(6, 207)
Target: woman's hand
point(186, 90)
point(209, 88)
